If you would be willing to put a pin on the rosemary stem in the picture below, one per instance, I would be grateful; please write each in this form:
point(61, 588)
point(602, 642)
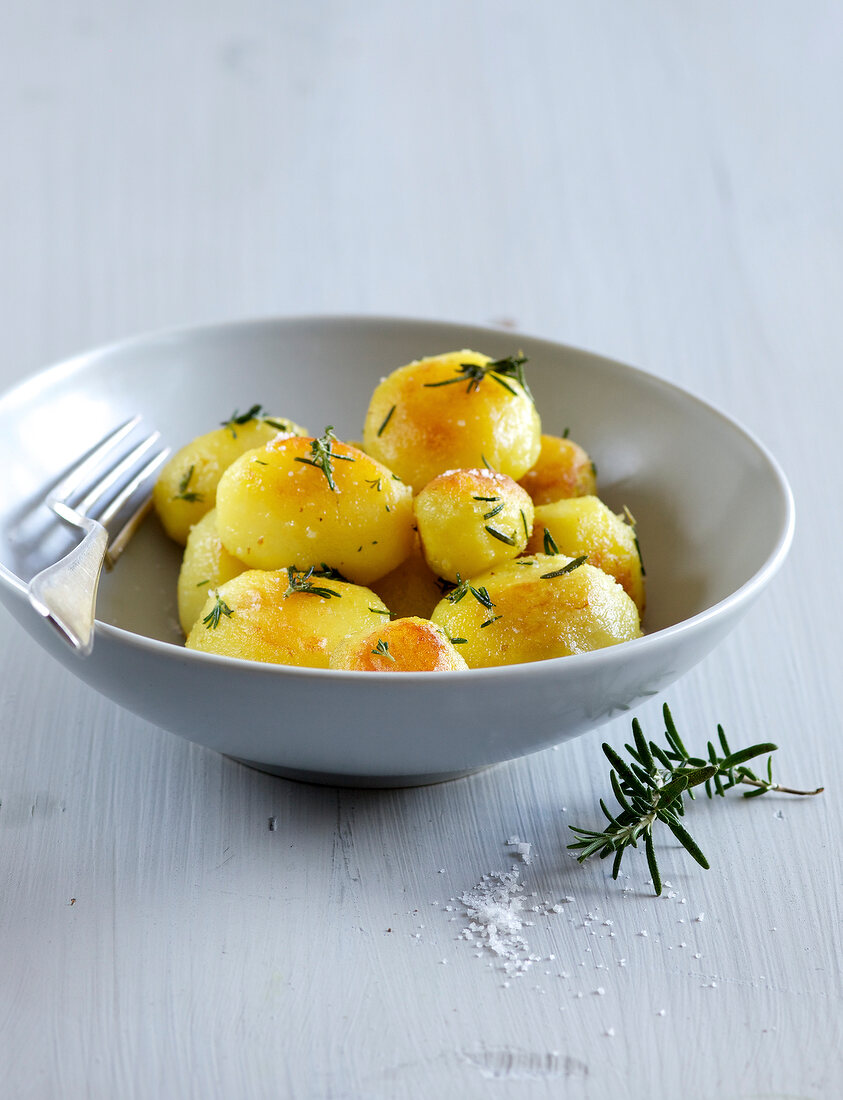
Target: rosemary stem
point(778, 787)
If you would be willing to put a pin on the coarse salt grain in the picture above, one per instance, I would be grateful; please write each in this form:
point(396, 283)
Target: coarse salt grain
point(494, 909)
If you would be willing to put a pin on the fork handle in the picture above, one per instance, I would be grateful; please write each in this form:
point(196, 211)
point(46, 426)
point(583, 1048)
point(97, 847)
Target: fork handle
point(65, 593)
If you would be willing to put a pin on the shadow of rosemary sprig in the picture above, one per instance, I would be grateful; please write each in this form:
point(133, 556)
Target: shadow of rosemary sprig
point(652, 785)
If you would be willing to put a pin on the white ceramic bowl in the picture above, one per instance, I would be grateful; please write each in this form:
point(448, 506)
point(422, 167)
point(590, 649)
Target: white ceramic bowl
point(714, 514)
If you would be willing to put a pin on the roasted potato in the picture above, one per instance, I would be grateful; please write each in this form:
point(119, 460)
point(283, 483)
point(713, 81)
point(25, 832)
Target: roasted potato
point(206, 565)
point(404, 645)
point(470, 520)
point(310, 501)
point(412, 589)
point(453, 411)
point(187, 486)
point(285, 617)
point(585, 525)
point(563, 469)
point(534, 608)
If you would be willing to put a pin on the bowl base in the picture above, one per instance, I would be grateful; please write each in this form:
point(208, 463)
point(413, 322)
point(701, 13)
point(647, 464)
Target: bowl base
point(369, 782)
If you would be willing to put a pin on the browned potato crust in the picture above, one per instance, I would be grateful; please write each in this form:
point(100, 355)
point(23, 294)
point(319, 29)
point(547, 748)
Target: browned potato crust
point(429, 417)
point(404, 645)
point(258, 617)
point(541, 607)
point(563, 469)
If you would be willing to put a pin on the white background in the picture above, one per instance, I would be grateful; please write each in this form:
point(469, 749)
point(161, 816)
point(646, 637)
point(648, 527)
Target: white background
point(658, 182)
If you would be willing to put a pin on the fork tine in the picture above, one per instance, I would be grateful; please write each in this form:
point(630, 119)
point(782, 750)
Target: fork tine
point(134, 498)
point(120, 481)
point(112, 477)
point(79, 474)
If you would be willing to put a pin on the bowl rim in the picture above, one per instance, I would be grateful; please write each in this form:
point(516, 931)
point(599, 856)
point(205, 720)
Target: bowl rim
point(37, 381)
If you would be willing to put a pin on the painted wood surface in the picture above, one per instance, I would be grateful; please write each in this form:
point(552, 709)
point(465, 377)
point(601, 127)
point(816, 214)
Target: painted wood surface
point(657, 182)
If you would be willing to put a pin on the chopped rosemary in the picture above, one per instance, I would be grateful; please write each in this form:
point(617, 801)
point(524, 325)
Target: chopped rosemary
point(458, 641)
point(550, 546)
point(494, 512)
point(501, 536)
point(488, 622)
point(238, 418)
point(281, 425)
point(490, 500)
point(569, 568)
point(300, 581)
point(380, 611)
point(375, 483)
point(524, 524)
point(652, 786)
point(321, 456)
point(481, 594)
point(201, 584)
point(566, 433)
point(499, 370)
point(382, 650)
point(187, 494)
point(212, 619)
point(386, 420)
point(463, 588)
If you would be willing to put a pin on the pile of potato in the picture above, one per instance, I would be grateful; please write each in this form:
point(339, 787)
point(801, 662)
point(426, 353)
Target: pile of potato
point(454, 536)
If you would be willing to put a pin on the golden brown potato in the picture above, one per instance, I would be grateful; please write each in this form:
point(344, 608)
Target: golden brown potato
point(285, 617)
point(412, 589)
point(206, 564)
point(532, 609)
point(453, 411)
point(470, 520)
point(187, 486)
point(563, 469)
point(310, 501)
point(585, 525)
point(404, 645)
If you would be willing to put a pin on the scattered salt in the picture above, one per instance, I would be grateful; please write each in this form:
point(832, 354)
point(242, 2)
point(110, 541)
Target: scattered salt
point(700, 918)
point(494, 909)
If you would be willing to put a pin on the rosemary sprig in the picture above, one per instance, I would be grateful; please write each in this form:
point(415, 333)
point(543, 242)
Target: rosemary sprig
point(385, 421)
point(382, 650)
point(322, 456)
point(499, 370)
point(184, 492)
point(501, 536)
point(550, 546)
point(652, 785)
point(575, 563)
point(220, 608)
point(238, 418)
point(464, 588)
point(300, 580)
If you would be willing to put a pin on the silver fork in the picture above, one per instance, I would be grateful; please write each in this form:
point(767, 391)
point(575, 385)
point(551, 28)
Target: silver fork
point(105, 495)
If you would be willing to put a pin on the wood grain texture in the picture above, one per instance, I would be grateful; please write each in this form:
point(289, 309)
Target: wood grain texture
point(657, 182)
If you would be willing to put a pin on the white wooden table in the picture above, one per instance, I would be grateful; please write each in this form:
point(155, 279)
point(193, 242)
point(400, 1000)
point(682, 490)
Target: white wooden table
point(658, 182)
